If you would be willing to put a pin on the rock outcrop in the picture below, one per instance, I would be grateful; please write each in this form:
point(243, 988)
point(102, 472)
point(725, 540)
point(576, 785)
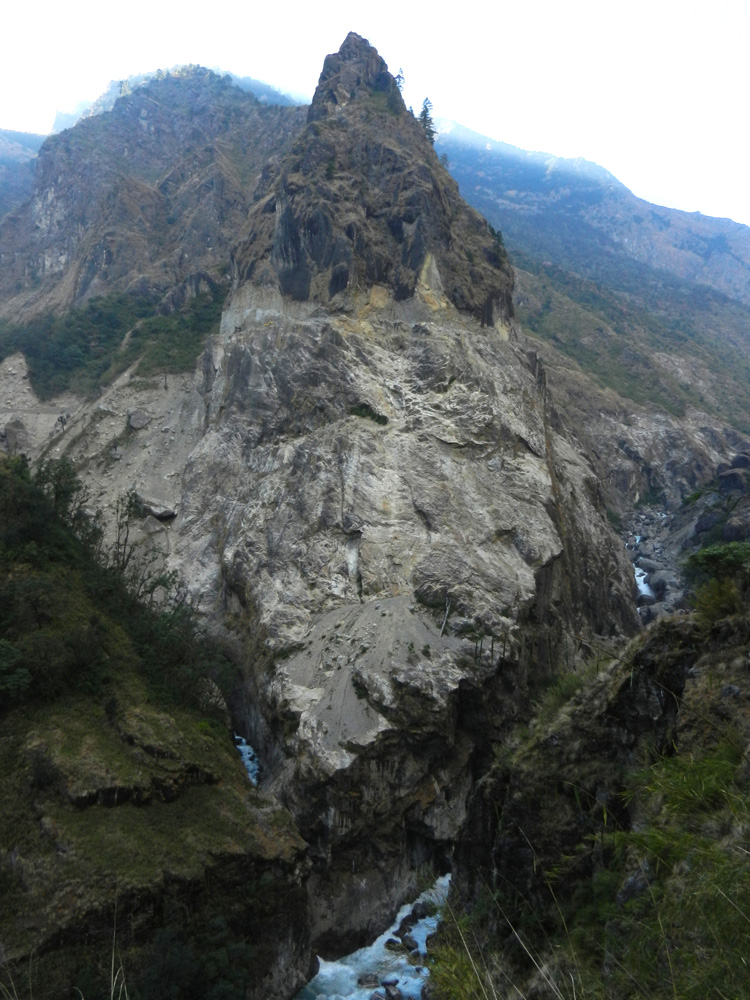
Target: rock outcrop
point(381, 490)
point(363, 200)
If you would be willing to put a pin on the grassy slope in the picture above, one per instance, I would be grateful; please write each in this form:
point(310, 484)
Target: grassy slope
point(674, 346)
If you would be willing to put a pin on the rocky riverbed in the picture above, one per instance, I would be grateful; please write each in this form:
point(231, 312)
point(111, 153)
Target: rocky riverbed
point(650, 544)
point(659, 539)
point(394, 966)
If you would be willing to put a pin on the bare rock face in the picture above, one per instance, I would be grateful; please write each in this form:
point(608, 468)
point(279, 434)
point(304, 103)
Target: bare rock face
point(381, 492)
point(412, 451)
point(398, 523)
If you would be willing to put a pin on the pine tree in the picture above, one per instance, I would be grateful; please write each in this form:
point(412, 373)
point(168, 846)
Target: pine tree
point(425, 120)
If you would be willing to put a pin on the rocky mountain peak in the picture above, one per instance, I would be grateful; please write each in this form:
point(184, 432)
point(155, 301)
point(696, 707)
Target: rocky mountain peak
point(356, 70)
point(362, 200)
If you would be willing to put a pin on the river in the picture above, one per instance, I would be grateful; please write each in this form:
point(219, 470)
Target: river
point(359, 975)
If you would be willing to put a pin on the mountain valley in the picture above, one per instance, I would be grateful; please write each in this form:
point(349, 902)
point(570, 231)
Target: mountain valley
point(317, 412)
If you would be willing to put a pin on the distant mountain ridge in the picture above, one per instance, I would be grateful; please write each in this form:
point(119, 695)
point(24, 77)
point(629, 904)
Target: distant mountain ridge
point(145, 198)
point(453, 132)
point(650, 300)
point(535, 194)
point(264, 92)
point(17, 153)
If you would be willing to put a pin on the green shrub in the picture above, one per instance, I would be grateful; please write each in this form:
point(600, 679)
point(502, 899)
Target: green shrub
point(723, 561)
point(721, 576)
point(365, 410)
point(72, 616)
point(86, 348)
point(615, 520)
point(684, 935)
point(717, 599)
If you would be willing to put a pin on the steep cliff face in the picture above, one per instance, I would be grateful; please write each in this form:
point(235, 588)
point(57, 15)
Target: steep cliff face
point(373, 494)
point(385, 470)
point(381, 488)
point(621, 814)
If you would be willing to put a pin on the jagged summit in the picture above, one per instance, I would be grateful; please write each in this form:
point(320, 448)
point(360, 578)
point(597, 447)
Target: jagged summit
point(356, 70)
point(362, 200)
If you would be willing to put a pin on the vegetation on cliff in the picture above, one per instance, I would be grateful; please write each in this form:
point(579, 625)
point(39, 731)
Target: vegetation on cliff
point(73, 614)
point(125, 804)
point(618, 825)
point(85, 349)
point(648, 336)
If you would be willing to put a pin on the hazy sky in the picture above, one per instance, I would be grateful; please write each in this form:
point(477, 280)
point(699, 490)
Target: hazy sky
point(653, 90)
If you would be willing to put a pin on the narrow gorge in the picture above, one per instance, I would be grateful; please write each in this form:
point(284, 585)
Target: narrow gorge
point(392, 512)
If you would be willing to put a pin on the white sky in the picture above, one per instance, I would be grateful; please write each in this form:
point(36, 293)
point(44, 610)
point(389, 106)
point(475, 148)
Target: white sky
point(653, 90)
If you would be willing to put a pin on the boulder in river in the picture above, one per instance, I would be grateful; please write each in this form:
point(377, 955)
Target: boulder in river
point(367, 979)
point(393, 944)
point(649, 565)
point(661, 581)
